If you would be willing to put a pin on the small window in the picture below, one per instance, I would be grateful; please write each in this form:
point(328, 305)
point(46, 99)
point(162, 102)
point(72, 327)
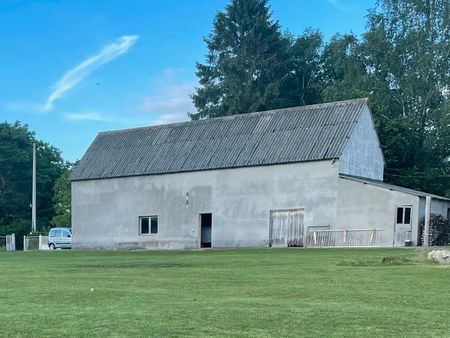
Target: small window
point(57, 233)
point(148, 225)
point(403, 215)
point(407, 216)
point(66, 234)
point(399, 215)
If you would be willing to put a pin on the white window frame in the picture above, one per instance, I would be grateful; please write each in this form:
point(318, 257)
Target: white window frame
point(150, 233)
point(404, 207)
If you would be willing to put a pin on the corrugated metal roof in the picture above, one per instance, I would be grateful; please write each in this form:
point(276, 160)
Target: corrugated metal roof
point(389, 186)
point(307, 133)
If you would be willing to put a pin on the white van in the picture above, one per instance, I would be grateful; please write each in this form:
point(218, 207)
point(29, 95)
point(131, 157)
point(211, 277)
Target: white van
point(60, 238)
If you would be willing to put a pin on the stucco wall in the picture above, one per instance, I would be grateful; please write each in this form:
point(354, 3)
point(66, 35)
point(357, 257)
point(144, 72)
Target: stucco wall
point(365, 206)
point(362, 155)
point(438, 206)
point(105, 212)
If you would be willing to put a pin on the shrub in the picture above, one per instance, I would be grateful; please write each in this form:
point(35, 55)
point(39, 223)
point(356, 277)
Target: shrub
point(439, 230)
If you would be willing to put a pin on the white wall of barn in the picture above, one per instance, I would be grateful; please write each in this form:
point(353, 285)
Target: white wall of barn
point(362, 156)
point(105, 212)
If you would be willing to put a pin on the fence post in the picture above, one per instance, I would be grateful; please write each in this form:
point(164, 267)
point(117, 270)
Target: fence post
point(345, 236)
point(40, 242)
point(372, 236)
point(315, 237)
point(13, 242)
point(24, 243)
point(426, 232)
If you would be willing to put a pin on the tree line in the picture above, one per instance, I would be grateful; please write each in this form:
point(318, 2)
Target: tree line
point(401, 63)
point(52, 183)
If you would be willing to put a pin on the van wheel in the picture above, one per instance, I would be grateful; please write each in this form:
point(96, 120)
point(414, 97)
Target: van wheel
point(51, 246)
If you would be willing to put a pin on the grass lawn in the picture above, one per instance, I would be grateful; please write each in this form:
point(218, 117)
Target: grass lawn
point(264, 292)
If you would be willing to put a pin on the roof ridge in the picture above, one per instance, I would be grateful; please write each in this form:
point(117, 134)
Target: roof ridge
point(240, 115)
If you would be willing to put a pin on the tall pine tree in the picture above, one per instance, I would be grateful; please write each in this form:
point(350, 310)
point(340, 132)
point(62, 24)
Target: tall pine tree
point(246, 64)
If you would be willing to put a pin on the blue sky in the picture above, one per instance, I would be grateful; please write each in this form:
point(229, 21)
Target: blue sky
point(72, 68)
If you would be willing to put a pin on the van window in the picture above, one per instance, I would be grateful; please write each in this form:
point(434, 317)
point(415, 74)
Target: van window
point(57, 233)
point(66, 233)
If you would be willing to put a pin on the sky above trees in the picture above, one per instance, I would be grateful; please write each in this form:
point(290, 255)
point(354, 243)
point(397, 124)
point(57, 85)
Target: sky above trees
point(72, 69)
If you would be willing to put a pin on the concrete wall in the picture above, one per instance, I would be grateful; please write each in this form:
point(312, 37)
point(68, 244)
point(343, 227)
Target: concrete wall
point(438, 206)
point(365, 206)
point(105, 212)
point(362, 155)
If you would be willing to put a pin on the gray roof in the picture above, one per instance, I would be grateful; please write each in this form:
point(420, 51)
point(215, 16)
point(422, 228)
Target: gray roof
point(389, 186)
point(299, 134)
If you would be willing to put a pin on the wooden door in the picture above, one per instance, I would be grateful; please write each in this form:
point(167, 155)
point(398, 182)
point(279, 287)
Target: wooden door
point(286, 228)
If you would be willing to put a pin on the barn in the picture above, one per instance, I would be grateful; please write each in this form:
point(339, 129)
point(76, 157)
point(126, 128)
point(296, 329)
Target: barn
point(302, 176)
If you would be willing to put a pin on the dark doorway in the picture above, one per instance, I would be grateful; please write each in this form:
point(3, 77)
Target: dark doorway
point(205, 230)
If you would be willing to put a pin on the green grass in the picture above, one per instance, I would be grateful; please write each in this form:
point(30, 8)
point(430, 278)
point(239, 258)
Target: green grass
point(259, 293)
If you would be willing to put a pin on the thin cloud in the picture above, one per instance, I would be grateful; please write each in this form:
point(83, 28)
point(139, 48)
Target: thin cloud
point(338, 5)
point(87, 117)
point(75, 75)
point(171, 102)
point(92, 116)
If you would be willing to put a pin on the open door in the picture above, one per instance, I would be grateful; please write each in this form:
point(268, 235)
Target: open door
point(205, 230)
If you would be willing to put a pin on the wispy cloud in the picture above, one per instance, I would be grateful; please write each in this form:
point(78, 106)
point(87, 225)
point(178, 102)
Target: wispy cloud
point(172, 101)
point(93, 116)
point(75, 75)
point(87, 116)
point(338, 5)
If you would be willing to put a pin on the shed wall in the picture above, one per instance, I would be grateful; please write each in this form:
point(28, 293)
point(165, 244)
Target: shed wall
point(438, 206)
point(105, 212)
point(366, 206)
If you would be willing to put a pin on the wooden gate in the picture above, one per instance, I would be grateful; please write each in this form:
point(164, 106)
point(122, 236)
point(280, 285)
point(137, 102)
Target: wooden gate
point(286, 228)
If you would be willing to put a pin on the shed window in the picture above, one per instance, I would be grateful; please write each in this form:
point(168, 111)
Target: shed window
point(403, 215)
point(148, 225)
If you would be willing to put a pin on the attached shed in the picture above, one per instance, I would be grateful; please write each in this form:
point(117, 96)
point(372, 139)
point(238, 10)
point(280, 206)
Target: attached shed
point(274, 178)
point(399, 210)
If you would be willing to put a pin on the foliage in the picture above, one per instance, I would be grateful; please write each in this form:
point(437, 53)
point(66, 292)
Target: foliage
point(303, 83)
point(439, 230)
point(344, 72)
point(62, 200)
point(407, 57)
point(16, 175)
point(401, 63)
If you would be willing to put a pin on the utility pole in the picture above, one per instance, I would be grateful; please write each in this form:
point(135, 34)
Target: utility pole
point(33, 197)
